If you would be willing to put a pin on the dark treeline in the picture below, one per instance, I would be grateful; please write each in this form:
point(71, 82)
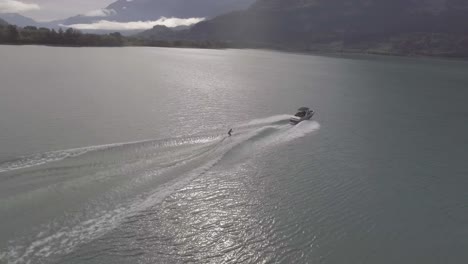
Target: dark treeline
point(32, 35)
point(10, 34)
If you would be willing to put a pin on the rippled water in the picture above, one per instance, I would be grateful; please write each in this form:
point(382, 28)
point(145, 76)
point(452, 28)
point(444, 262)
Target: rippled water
point(121, 156)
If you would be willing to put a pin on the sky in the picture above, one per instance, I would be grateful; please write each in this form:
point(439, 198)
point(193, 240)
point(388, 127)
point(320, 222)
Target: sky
point(45, 10)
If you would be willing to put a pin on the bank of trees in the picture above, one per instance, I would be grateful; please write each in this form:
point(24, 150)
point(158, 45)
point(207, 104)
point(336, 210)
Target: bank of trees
point(32, 35)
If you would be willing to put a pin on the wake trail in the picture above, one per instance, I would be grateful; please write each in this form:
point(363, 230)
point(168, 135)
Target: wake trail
point(272, 120)
point(38, 159)
point(184, 159)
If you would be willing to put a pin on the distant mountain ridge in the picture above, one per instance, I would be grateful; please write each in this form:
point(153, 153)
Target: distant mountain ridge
point(3, 22)
point(140, 10)
point(428, 27)
point(19, 20)
point(147, 10)
point(300, 18)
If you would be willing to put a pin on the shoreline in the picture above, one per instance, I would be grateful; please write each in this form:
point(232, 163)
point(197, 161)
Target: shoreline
point(340, 53)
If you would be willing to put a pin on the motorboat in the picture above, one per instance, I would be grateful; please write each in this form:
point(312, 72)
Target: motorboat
point(303, 113)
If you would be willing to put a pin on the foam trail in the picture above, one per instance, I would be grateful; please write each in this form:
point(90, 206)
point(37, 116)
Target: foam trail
point(272, 136)
point(281, 134)
point(268, 120)
point(302, 129)
point(53, 156)
point(119, 196)
point(65, 240)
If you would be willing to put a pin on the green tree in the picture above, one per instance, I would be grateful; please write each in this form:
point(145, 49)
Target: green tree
point(30, 28)
point(13, 34)
point(72, 37)
point(117, 38)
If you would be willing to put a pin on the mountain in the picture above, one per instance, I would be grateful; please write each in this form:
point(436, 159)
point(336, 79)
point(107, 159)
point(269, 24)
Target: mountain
point(23, 21)
point(426, 27)
point(145, 10)
point(19, 20)
point(3, 22)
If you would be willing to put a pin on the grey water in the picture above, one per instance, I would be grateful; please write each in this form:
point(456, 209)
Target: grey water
point(121, 155)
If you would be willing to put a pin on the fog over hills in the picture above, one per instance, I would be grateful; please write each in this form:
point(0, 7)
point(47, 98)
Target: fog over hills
point(130, 15)
point(150, 10)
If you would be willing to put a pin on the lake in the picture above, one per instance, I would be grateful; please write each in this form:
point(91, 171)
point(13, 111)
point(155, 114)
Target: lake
point(121, 155)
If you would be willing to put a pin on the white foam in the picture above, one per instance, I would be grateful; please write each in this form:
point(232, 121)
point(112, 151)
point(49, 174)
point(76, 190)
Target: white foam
point(268, 120)
point(300, 130)
point(53, 156)
point(64, 240)
point(287, 133)
point(46, 157)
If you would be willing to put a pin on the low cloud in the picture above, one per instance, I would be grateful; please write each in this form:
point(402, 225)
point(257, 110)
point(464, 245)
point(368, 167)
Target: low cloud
point(101, 13)
point(137, 25)
point(14, 6)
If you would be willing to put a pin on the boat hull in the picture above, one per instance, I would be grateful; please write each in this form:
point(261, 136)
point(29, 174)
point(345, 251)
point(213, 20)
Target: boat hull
point(295, 121)
point(304, 113)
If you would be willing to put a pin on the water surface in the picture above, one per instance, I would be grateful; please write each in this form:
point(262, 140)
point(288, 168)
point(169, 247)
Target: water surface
point(121, 156)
